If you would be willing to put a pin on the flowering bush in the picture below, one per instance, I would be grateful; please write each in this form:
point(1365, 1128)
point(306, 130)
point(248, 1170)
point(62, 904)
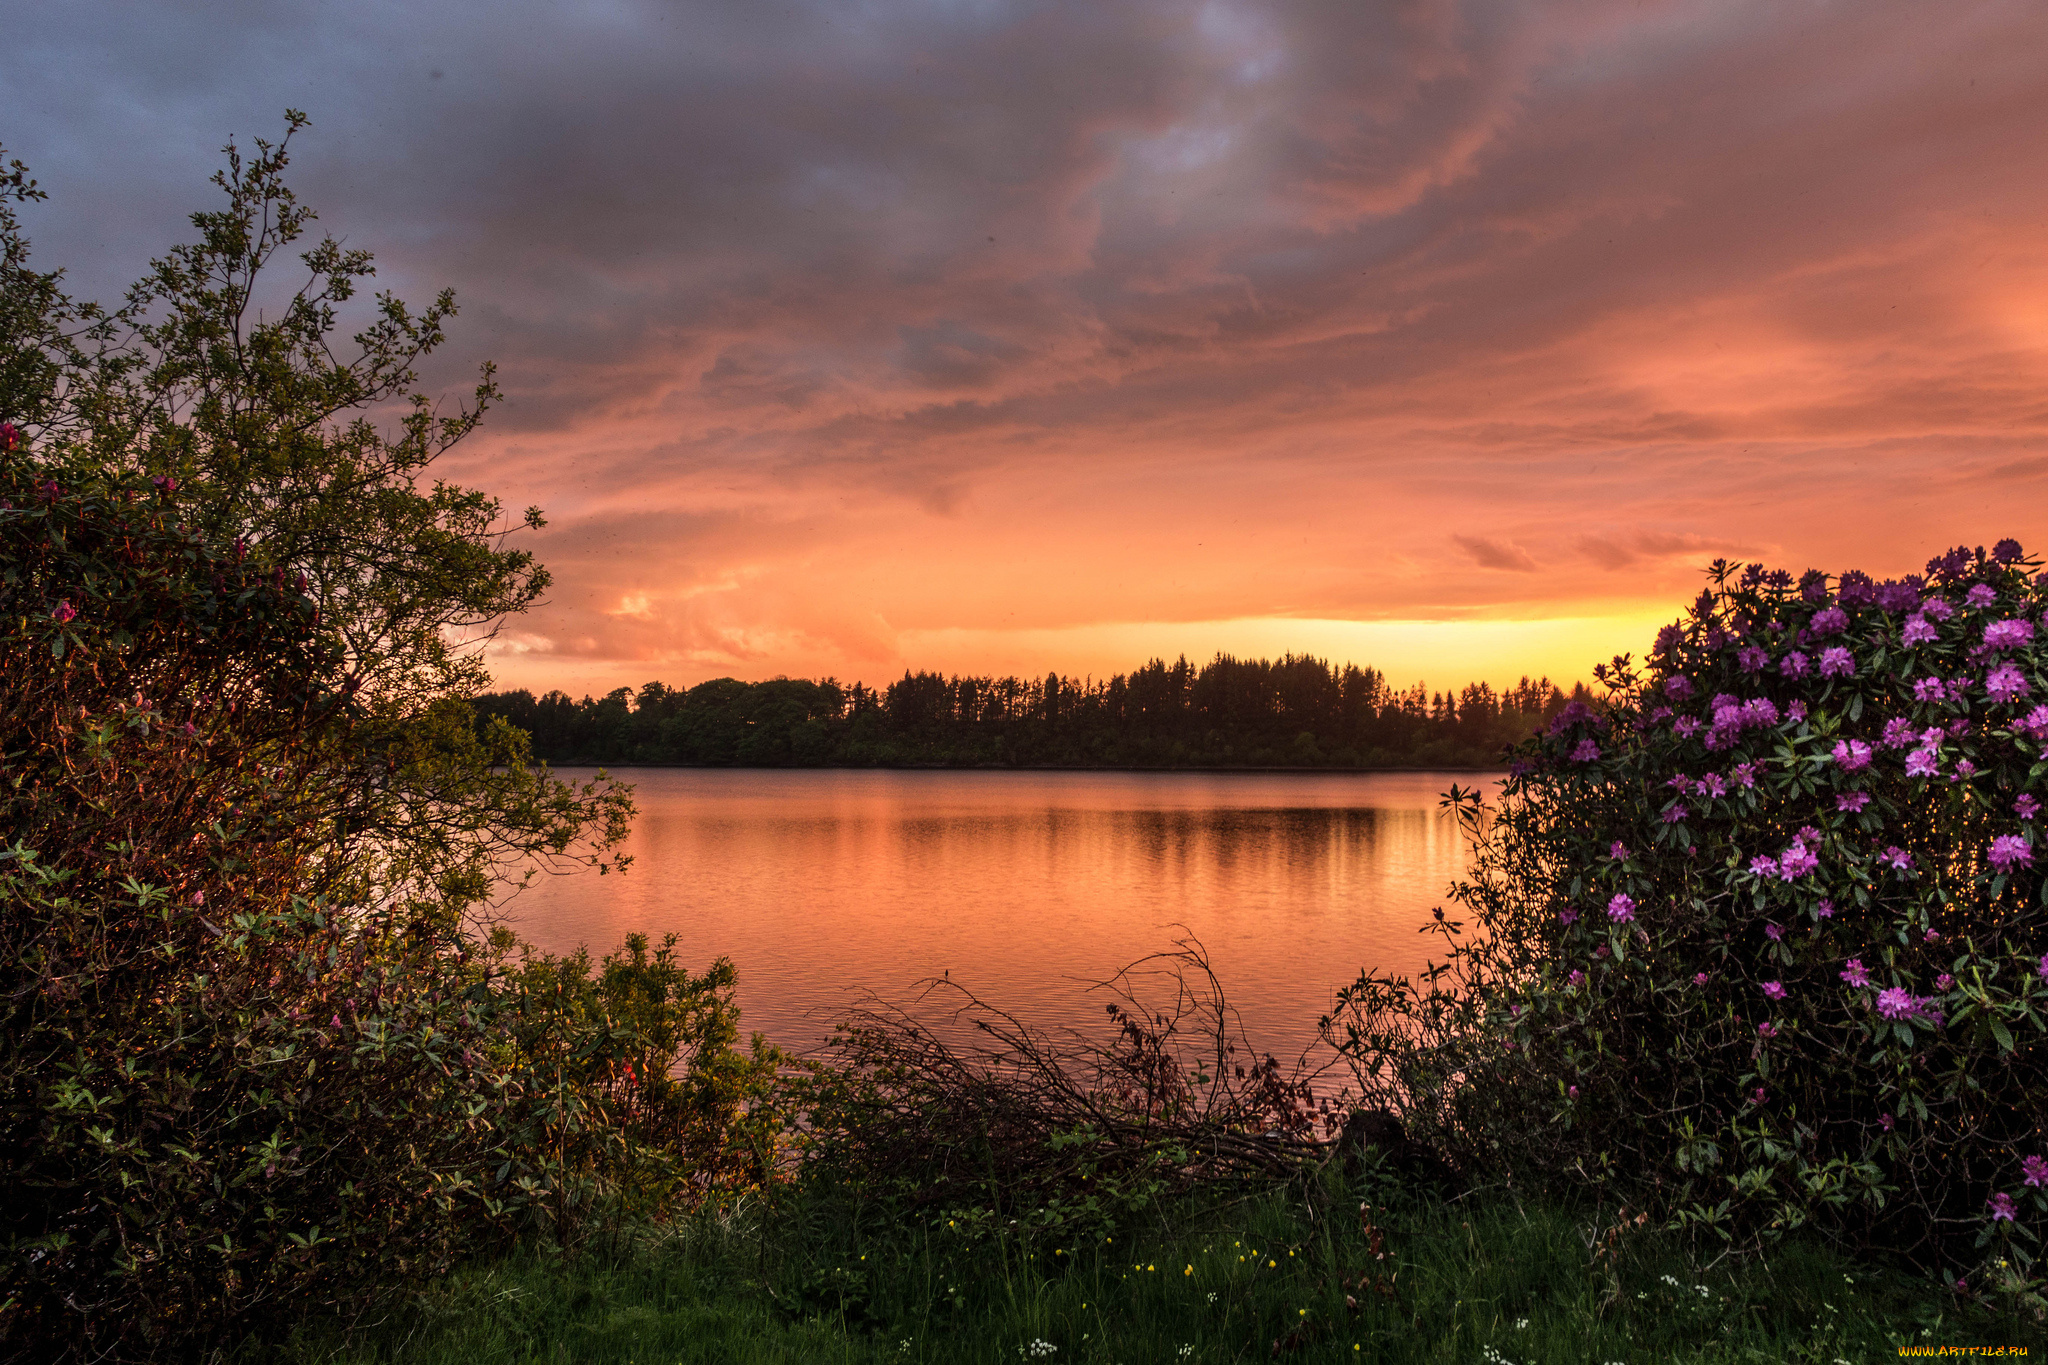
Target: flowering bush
point(1761, 939)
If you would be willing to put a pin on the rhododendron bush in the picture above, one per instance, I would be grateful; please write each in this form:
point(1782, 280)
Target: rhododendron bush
point(1760, 941)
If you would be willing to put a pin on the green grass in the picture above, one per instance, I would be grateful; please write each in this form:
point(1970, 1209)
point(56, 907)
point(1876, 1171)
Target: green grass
point(1488, 1280)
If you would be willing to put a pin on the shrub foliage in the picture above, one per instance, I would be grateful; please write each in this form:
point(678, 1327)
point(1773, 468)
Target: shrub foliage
point(1759, 942)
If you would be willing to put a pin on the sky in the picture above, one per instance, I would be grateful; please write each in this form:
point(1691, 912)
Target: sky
point(847, 338)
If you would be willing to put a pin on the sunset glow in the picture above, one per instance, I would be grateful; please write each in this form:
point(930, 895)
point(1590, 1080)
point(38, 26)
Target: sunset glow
point(1450, 339)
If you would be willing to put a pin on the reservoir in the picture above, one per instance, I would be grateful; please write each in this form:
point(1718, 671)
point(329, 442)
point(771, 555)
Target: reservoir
point(1025, 887)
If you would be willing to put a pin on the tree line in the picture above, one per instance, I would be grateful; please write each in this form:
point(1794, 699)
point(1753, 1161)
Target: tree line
point(1296, 712)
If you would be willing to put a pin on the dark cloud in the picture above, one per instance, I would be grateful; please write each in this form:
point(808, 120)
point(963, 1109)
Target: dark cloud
point(918, 315)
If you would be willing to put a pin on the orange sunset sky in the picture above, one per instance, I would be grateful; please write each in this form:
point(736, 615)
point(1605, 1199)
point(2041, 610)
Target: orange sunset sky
point(1449, 338)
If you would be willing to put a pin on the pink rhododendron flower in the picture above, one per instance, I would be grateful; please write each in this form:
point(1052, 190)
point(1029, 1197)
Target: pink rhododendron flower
point(2008, 634)
point(1898, 857)
point(1830, 621)
point(1700, 978)
point(1930, 689)
point(2036, 1171)
point(1898, 733)
point(1796, 861)
point(1793, 665)
point(1774, 990)
point(1896, 1002)
point(2036, 723)
point(1937, 609)
point(1774, 932)
point(1852, 802)
point(1824, 910)
point(1981, 595)
point(1923, 763)
point(1944, 982)
point(63, 612)
point(1837, 662)
point(1678, 687)
point(1621, 909)
point(2006, 684)
point(2009, 851)
point(1567, 916)
point(1576, 976)
point(2025, 806)
point(1853, 755)
point(1675, 815)
point(1586, 751)
point(2001, 1207)
point(1750, 659)
point(1854, 973)
point(1767, 1029)
point(1763, 865)
point(1885, 1121)
point(1685, 726)
point(1919, 631)
point(1964, 771)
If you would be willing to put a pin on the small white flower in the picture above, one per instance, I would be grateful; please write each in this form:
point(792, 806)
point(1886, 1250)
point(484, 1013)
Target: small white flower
point(1521, 1324)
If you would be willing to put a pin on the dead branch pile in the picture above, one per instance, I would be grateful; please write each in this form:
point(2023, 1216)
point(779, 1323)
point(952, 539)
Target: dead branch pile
point(952, 1095)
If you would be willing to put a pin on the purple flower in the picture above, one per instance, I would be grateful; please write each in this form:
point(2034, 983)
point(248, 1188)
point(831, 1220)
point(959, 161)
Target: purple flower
point(2006, 684)
point(1600, 951)
point(1796, 861)
point(1852, 802)
point(2036, 1171)
point(1793, 665)
point(1774, 990)
point(1759, 1095)
point(2044, 966)
point(2036, 723)
point(2001, 1207)
point(1751, 659)
point(1885, 1121)
point(2025, 806)
point(1678, 687)
point(1675, 815)
point(1767, 1029)
point(1920, 631)
point(1711, 785)
point(1684, 725)
point(1898, 733)
point(1618, 851)
point(2006, 551)
point(63, 612)
point(1621, 909)
point(1796, 711)
point(1700, 978)
point(1576, 976)
point(1775, 933)
point(1760, 711)
point(1923, 763)
point(1937, 609)
point(1852, 754)
point(2008, 634)
point(1837, 662)
point(1982, 595)
point(1586, 751)
point(1824, 910)
point(1896, 1002)
point(1964, 771)
point(1944, 983)
point(1745, 773)
point(1572, 1091)
point(1898, 857)
point(1829, 621)
point(1855, 974)
point(2007, 850)
point(1930, 689)
point(1764, 865)
point(1567, 916)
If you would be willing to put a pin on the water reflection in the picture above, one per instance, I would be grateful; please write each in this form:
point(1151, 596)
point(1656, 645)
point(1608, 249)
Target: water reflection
point(820, 884)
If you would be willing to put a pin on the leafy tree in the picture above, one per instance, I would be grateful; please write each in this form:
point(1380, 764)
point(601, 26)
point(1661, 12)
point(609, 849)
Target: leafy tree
point(268, 432)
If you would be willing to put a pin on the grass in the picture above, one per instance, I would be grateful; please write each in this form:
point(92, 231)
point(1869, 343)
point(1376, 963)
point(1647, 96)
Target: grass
point(1491, 1280)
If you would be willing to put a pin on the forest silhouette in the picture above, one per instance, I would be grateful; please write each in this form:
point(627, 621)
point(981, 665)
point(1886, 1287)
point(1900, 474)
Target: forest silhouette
point(1298, 712)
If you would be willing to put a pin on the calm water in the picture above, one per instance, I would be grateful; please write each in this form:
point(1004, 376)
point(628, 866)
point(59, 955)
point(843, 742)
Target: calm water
point(1024, 886)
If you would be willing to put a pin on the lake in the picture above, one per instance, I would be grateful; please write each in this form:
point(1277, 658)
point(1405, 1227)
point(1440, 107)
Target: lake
point(1024, 886)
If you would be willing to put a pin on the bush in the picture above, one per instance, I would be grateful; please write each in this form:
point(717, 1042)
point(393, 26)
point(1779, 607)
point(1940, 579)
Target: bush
point(231, 1086)
point(1758, 943)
